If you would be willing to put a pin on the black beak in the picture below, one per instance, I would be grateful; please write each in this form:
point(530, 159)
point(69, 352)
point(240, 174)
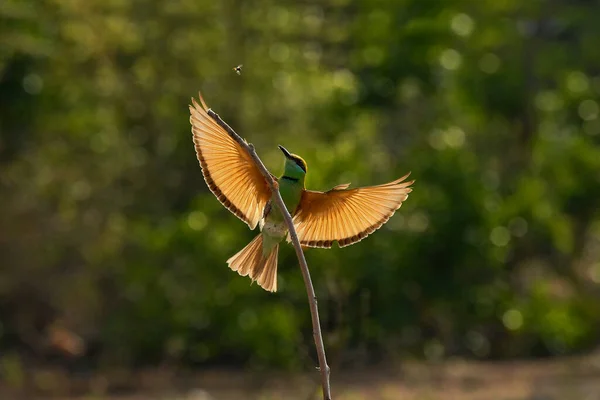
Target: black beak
point(285, 152)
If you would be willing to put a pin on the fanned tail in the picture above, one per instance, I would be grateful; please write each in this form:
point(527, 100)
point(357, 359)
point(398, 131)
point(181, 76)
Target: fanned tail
point(250, 261)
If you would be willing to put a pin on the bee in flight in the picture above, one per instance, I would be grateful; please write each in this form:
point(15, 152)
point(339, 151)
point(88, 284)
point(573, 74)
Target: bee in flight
point(238, 69)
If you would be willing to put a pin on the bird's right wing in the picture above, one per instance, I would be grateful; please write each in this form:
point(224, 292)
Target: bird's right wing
point(347, 215)
point(228, 169)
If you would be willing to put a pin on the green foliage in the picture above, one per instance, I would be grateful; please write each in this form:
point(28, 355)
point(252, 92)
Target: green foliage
point(493, 106)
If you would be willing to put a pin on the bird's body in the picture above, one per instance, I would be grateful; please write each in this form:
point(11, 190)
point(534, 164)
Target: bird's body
point(273, 227)
point(274, 223)
point(340, 215)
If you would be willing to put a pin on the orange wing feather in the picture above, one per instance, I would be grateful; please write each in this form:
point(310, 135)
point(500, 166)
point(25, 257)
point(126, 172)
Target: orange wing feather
point(347, 215)
point(227, 167)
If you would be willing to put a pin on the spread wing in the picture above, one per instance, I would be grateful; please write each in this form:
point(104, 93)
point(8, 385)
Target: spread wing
point(227, 167)
point(347, 215)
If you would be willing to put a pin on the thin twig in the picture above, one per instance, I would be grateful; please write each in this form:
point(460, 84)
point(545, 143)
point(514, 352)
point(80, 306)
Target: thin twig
point(312, 298)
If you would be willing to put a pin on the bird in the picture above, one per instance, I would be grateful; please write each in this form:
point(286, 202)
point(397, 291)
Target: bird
point(342, 214)
point(238, 69)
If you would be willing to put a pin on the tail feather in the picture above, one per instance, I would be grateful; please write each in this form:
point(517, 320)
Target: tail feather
point(250, 262)
point(268, 278)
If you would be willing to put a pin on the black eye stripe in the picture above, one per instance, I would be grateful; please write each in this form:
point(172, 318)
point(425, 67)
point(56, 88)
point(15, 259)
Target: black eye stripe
point(300, 163)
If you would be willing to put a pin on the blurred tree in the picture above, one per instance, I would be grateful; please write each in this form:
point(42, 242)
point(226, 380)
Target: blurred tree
point(105, 218)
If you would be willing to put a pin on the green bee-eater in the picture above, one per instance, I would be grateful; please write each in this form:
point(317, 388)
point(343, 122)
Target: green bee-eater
point(320, 218)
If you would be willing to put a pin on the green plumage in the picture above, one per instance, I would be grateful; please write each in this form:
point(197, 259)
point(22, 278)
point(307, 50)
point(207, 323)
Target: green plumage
point(291, 185)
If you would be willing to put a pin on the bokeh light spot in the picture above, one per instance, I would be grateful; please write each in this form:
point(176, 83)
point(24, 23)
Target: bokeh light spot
point(197, 220)
point(418, 222)
point(518, 226)
point(373, 55)
point(462, 24)
point(489, 63)
point(454, 137)
point(436, 139)
point(434, 350)
point(588, 110)
point(478, 344)
point(577, 82)
point(409, 89)
point(512, 319)
point(548, 101)
point(500, 236)
point(33, 83)
point(450, 59)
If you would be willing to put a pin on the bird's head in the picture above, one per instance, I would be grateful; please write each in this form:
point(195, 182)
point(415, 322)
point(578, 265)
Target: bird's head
point(295, 166)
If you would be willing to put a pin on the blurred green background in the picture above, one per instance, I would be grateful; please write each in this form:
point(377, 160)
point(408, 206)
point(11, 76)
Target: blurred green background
point(113, 250)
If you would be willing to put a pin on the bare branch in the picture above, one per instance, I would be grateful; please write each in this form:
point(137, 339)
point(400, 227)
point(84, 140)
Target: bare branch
point(310, 291)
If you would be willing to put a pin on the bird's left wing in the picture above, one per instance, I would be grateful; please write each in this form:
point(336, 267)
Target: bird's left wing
point(228, 169)
point(347, 215)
